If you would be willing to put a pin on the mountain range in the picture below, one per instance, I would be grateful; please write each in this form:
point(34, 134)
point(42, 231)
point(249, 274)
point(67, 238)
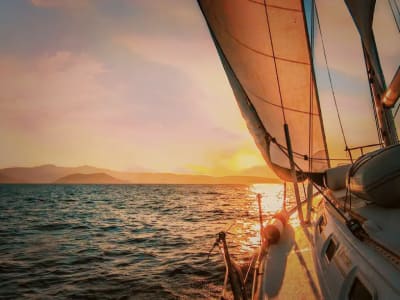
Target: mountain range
point(92, 175)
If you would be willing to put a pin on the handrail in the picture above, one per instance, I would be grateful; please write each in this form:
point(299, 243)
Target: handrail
point(361, 148)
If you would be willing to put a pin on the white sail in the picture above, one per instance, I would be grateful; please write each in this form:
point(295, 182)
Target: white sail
point(265, 51)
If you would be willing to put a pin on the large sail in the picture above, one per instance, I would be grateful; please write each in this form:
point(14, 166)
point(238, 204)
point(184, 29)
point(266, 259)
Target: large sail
point(265, 51)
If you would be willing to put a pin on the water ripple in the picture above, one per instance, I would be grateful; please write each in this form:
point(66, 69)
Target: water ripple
point(121, 241)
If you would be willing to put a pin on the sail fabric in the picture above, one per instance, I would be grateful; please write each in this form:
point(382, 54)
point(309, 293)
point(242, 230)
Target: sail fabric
point(262, 138)
point(265, 52)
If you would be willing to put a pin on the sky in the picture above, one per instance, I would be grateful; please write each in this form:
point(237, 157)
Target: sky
point(130, 85)
point(127, 85)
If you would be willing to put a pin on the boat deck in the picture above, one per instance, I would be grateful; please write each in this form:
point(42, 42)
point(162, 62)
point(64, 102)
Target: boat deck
point(379, 222)
point(290, 272)
point(291, 266)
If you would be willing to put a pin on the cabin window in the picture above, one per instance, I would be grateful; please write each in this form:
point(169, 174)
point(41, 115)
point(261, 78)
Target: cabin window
point(330, 249)
point(359, 291)
point(321, 223)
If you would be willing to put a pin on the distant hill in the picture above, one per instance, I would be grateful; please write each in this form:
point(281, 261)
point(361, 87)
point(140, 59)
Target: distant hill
point(95, 178)
point(259, 171)
point(8, 179)
point(46, 173)
point(170, 178)
point(52, 173)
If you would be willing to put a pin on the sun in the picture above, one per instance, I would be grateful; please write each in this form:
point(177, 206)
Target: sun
point(245, 158)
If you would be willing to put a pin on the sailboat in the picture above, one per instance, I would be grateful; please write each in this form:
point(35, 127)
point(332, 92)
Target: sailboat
point(346, 244)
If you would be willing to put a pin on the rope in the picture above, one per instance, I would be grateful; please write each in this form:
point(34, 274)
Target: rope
point(306, 157)
point(397, 110)
point(248, 270)
point(330, 80)
point(260, 217)
point(396, 12)
point(310, 117)
point(274, 59)
point(316, 186)
point(368, 70)
point(284, 196)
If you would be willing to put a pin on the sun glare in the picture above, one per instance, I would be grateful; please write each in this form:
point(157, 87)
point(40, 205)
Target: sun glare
point(272, 197)
point(246, 160)
point(247, 231)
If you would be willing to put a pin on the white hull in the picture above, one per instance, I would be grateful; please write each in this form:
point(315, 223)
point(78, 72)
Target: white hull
point(301, 266)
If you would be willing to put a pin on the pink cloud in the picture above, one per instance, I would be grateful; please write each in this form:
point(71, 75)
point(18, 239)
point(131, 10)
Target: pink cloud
point(36, 91)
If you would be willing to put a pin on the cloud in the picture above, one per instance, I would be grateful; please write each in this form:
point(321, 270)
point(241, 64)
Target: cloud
point(56, 108)
point(199, 63)
point(39, 91)
point(77, 108)
point(124, 85)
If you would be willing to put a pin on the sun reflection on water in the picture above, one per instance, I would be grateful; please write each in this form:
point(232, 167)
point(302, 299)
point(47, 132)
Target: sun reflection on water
point(246, 231)
point(272, 197)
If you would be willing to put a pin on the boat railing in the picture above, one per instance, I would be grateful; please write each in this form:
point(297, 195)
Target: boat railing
point(361, 148)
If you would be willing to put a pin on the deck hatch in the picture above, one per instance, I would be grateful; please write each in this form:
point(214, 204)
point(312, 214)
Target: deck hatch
point(359, 291)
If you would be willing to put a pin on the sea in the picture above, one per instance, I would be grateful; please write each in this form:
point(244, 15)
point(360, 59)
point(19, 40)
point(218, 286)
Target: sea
point(126, 241)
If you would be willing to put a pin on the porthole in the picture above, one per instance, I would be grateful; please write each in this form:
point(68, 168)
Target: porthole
point(330, 249)
point(358, 291)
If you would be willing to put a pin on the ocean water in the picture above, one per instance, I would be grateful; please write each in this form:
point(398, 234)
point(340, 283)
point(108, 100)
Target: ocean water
point(125, 241)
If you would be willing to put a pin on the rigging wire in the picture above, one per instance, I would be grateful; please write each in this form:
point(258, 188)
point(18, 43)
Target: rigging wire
point(397, 110)
point(316, 186)
point(305, 157)
point(310, 117)
point(274, 59)
point(394, 6)
point(330, 80)
point(368, 70)
point(284, 204)
point(250, 266)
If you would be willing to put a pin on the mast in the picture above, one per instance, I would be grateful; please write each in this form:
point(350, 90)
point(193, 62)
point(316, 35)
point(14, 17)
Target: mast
point(362, 12)
point(293, 173)
point(384, 115)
